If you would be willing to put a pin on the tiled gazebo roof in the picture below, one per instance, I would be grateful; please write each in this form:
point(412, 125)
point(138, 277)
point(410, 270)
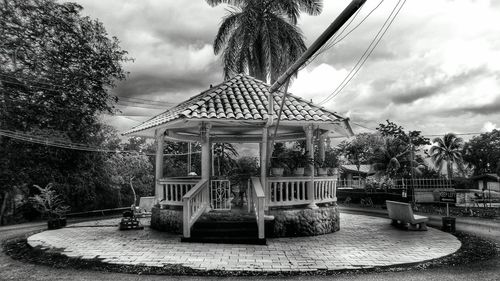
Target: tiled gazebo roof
point(239, 98)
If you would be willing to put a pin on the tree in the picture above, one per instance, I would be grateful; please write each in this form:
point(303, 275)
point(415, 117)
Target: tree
point(483, 152)
point(127, 169)
point(402, 146)
point(260, 37)
point(56, 68)
point(447, 149)
point(361, 149)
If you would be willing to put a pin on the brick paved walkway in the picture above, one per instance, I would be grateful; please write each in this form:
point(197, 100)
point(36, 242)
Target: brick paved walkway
point(362, 242)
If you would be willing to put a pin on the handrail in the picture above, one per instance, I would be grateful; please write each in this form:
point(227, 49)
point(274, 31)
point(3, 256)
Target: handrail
point(258, 187)
point(197, 188)
point(195, 202)
point(258, 199)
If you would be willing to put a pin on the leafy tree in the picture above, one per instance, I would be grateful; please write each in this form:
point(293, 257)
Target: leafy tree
point(129, 169)
point(361, 149)
point(483, 152)
point(56, 68)
point(260, 37)
point(447, 150)
point(411, 137)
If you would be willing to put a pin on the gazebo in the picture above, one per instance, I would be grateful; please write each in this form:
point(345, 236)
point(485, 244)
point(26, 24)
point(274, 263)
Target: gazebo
point(238, 111)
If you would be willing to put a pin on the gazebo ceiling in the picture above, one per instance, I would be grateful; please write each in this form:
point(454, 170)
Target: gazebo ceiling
point(238, 107)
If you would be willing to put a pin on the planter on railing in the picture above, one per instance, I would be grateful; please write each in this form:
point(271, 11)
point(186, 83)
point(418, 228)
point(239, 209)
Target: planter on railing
point(171, 190)
point(195, 202)
point(256, 198)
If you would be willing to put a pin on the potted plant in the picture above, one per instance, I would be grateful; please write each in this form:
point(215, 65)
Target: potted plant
point(278, 164)
point(298, 161)
point(51, 206)
point(322, 168)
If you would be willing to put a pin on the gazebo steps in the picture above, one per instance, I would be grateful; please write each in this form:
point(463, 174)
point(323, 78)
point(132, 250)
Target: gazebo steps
point(227, 232)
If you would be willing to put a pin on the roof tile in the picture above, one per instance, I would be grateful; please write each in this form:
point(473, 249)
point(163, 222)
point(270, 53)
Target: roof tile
point(241, 97)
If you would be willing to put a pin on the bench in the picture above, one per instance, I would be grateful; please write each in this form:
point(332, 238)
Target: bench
point(402, 215)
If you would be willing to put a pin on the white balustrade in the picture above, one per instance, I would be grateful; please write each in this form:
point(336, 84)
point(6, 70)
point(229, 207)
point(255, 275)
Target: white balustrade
point(256, 198)
point(325, 190)
point(195, 202)
point(287, 191)
point(171, 190)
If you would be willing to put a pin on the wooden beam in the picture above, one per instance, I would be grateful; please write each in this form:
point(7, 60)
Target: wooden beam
point(159, 136)
point(263, 159)
point(310, 149)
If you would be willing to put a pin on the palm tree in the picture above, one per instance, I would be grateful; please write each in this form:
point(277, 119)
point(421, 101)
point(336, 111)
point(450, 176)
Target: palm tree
point(393, 157)
point(260, 37)
point(447, 149)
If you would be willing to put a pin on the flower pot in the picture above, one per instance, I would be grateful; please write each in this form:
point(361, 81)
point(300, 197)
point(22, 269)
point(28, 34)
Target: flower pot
point(322, 171)
point(298, 171)
point(277, 172)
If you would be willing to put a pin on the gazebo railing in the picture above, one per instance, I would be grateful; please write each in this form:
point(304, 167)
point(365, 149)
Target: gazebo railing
point(256, 199)
point(287, 191)
point(195, 202)
point(325, 190)
point(290, 191)
point(171, 190)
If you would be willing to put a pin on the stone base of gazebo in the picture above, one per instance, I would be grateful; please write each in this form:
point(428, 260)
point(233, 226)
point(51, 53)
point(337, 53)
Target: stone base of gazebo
point(303, 221)
point(169, 220)
point(288, 222)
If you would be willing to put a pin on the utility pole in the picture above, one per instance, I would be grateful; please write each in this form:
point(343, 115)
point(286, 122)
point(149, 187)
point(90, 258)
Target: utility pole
point(347, 13)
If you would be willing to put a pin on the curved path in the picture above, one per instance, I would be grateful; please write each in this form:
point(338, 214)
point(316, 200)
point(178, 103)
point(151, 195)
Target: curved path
point(362, 242)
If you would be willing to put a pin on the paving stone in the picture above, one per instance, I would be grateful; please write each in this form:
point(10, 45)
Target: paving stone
point(362, 242)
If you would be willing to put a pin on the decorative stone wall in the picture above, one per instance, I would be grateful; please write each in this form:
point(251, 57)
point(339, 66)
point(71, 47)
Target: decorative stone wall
point(169, 220)
point(303, 222)
point(286, 223)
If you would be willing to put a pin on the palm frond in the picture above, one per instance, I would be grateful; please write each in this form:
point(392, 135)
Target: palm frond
point(229, 24)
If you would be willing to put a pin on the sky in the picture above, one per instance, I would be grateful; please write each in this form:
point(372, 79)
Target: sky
point(437, 69)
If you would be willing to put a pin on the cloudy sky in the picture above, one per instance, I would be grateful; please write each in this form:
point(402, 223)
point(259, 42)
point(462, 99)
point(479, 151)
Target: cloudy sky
point(437, 68)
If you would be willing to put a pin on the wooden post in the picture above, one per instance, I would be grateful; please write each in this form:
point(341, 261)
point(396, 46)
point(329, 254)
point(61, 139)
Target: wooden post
point(206, 149)
point(160, 138)
point(310, 150)
point(263, 162)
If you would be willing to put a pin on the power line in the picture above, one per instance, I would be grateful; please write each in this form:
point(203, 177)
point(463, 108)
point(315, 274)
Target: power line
point(369, 50)
point(71, 145)
point(426, 135)
point(120, 98)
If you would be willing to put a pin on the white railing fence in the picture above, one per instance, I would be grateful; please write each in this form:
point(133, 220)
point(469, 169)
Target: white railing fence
point(287, 191)
point(290, 191)
point(195, 202)
point(220, 194)
point(344, 183)
point(325, 190)
point(256, 199)
point(171, 190)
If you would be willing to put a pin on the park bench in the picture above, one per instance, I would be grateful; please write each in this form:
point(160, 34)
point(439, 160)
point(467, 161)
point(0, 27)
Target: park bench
point(402, 215)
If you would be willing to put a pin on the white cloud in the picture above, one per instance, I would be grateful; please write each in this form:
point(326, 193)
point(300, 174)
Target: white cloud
point(437, 69)
point(489, 126)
